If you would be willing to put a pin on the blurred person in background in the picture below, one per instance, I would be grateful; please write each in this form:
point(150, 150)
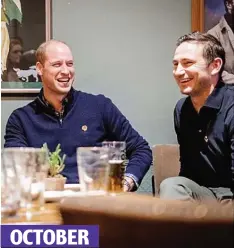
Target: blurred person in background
point(13, 61)
point(224, 32)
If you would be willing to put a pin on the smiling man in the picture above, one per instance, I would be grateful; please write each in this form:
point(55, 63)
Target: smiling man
point(61, 114)
point(204, 122)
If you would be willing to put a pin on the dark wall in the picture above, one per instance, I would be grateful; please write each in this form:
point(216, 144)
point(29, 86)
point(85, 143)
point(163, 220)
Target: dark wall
point(32, 28)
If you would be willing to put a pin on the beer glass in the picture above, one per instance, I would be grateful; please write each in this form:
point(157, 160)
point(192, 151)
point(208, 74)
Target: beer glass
point(117, 165)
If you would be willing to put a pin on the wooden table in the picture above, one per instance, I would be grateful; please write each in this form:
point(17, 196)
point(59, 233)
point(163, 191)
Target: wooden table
point(50, 215)
point(134, 220)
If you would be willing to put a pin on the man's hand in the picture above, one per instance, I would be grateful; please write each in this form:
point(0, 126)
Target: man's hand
point(128, 184)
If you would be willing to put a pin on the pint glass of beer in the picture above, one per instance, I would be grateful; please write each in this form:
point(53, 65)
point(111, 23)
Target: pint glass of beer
point(117, 163)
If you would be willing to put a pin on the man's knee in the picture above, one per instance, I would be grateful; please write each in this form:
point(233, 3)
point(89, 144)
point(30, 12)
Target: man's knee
point(174, 187)
point(172, 181)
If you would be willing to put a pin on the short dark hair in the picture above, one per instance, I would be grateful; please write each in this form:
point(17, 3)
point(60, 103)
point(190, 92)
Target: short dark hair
point(225, 2)
point(15, 41)
point(212, 47)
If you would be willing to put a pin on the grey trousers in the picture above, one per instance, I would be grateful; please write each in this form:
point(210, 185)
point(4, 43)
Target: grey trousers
point(182, 188)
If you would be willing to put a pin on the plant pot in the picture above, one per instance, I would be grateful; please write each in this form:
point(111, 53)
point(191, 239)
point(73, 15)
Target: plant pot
point(55, 183)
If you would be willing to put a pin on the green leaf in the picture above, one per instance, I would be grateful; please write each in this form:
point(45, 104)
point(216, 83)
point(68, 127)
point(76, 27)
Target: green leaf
point(56, 163)
point(12, 10)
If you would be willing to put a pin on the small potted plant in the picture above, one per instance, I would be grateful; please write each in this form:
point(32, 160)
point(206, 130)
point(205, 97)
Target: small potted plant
point(55, 180)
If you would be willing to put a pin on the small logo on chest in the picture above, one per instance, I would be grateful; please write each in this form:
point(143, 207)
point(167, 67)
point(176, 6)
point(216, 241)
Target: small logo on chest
point(84, 128)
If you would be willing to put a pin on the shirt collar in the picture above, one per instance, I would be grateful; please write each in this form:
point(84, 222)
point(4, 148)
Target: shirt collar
point(215, 99)
point(65, 102)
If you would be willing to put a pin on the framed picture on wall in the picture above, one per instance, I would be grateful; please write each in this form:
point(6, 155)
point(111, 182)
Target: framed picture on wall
point(207, 13)
point(25, 25)
point(197, 15)
point(216, 17)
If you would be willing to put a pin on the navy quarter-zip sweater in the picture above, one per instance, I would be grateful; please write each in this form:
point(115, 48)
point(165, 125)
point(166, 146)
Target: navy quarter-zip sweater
point(36, 123)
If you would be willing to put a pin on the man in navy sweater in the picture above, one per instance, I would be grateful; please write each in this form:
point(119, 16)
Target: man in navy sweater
point(61, 114)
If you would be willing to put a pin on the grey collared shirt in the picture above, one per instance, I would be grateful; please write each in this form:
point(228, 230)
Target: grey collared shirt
point(223, 32)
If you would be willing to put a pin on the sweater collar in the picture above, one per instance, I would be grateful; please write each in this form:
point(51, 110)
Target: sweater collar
point(46, 106)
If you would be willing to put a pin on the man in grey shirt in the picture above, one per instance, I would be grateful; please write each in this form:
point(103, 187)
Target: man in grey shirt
point(224, 32)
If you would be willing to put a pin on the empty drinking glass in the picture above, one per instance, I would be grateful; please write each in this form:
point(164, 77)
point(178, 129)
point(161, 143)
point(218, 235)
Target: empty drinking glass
point(31, 166)
point(38, 181)
point(10, 187)
point(93, 168)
